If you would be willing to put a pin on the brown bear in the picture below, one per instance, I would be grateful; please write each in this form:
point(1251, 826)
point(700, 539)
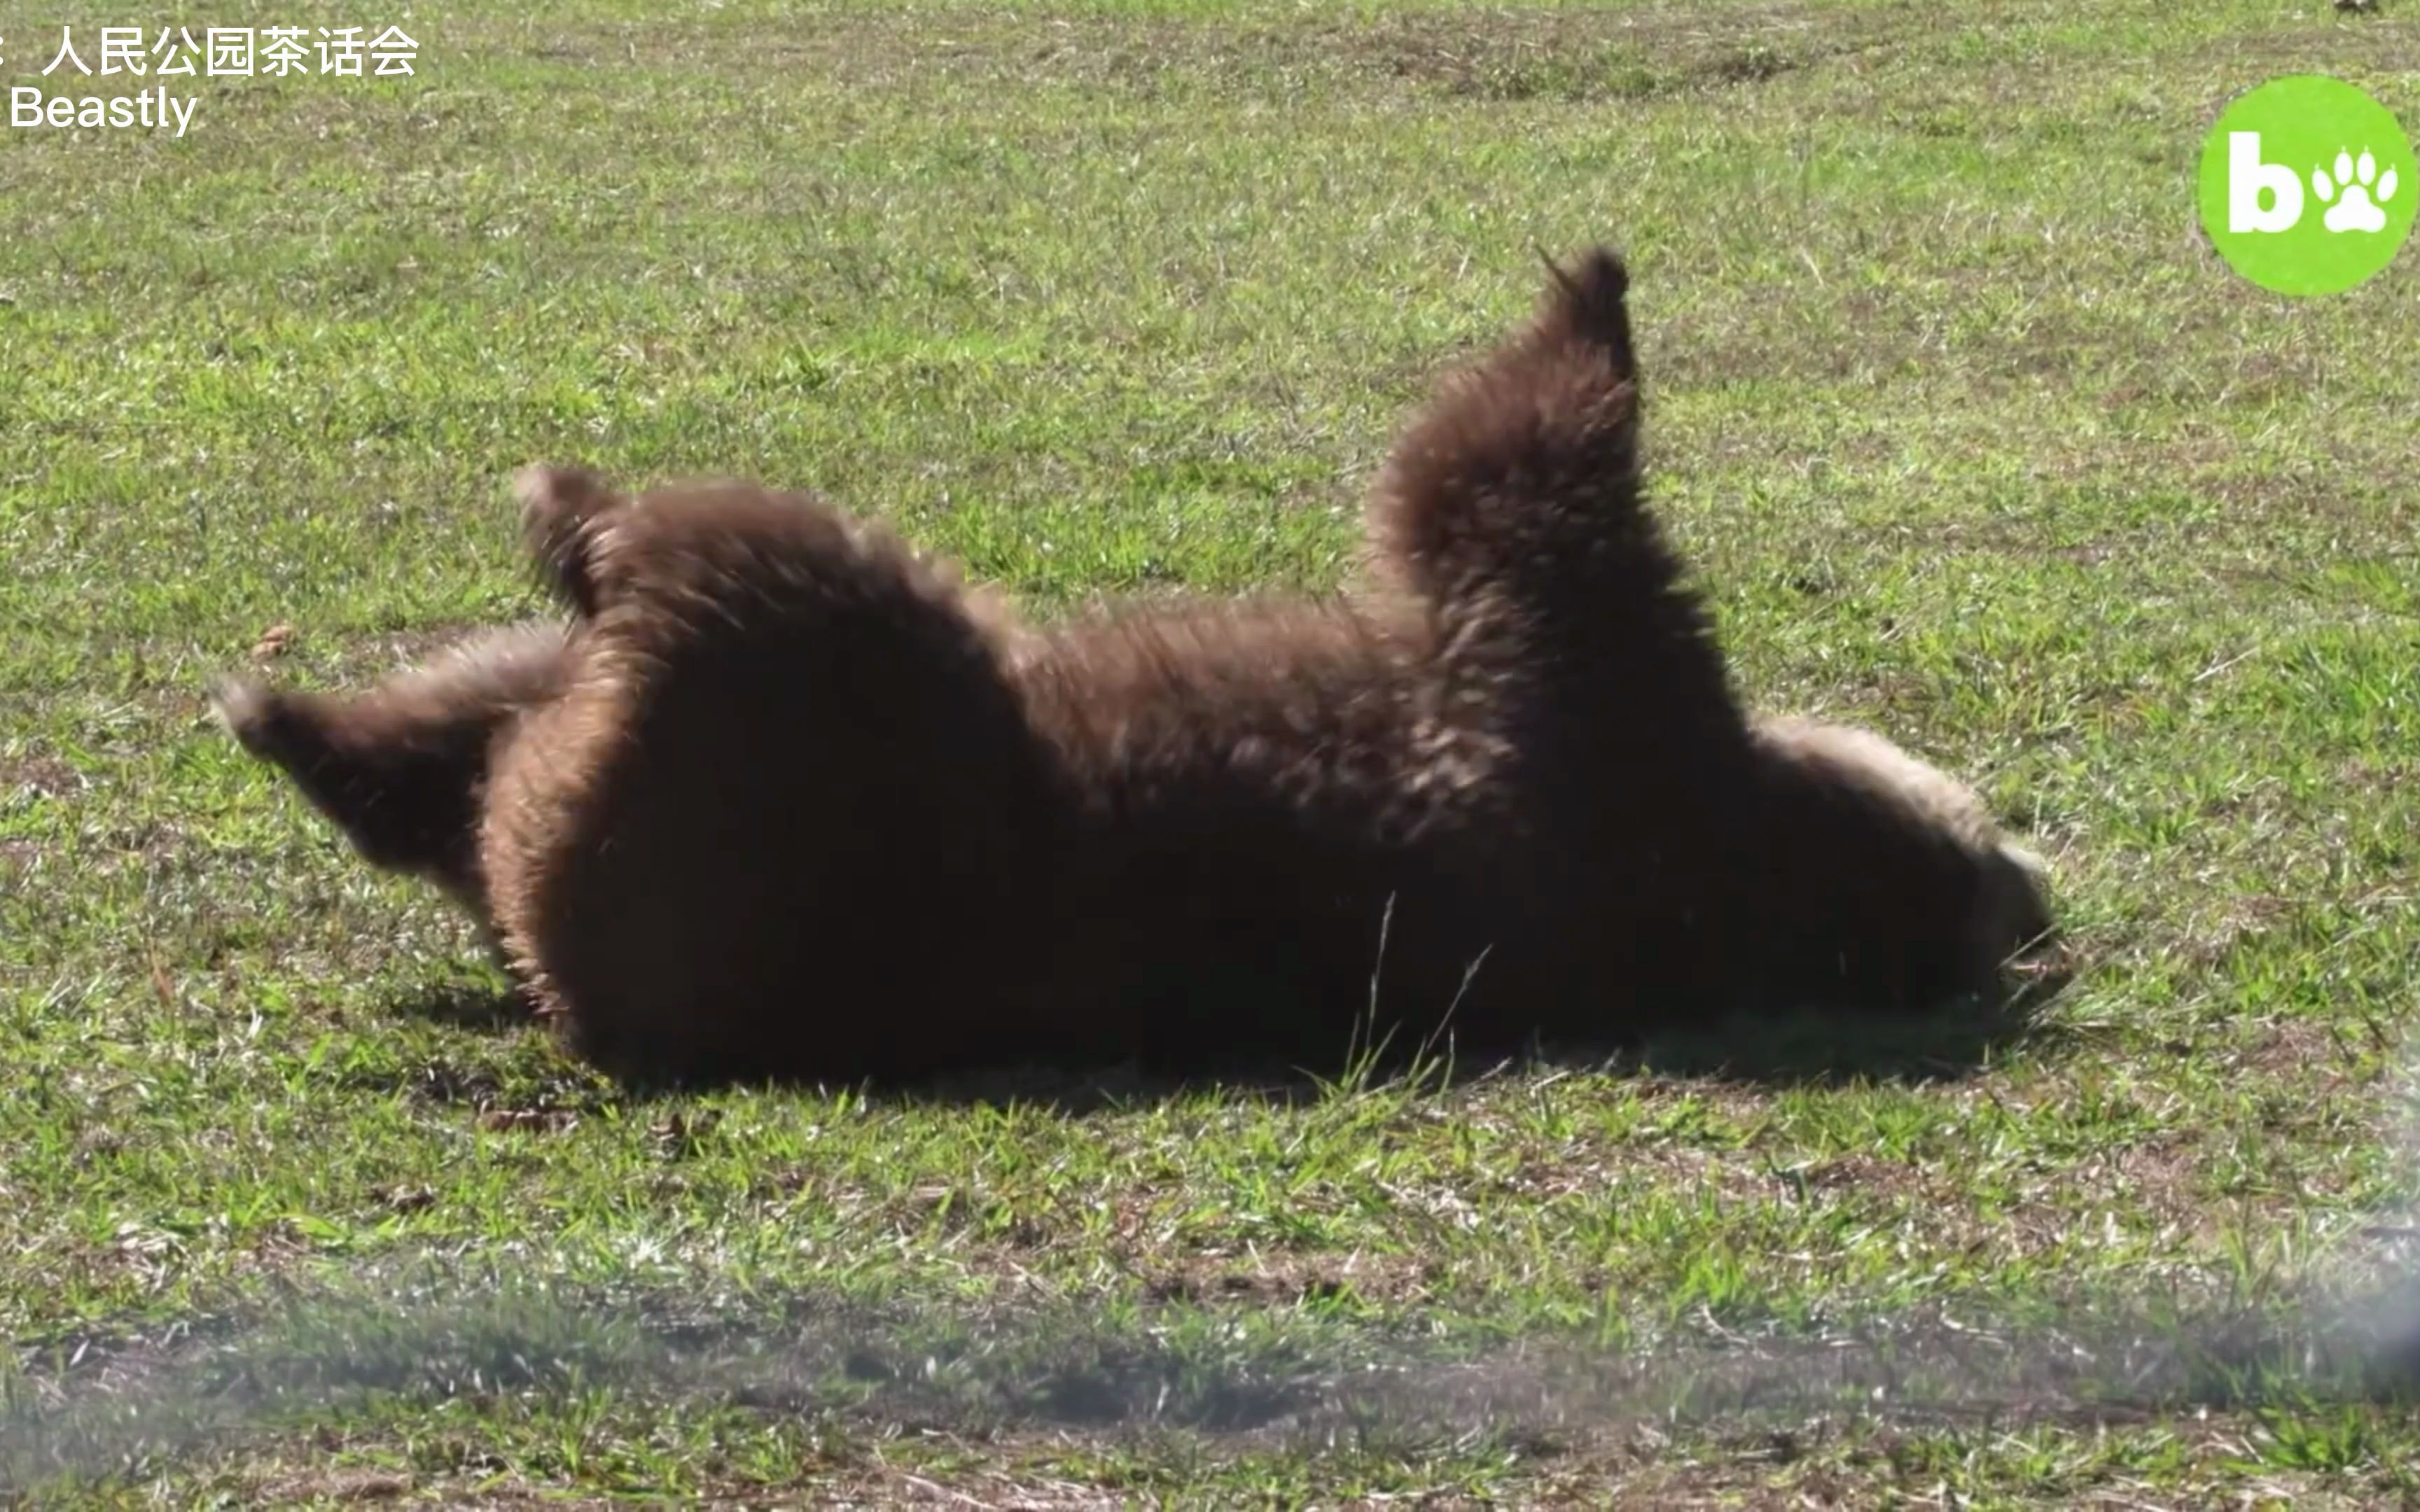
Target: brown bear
point(791, 802)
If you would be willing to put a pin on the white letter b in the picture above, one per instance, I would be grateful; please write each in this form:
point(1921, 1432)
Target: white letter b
point(2247, 175)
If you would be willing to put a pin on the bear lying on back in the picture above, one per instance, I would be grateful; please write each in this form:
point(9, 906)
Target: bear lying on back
point(787, 801)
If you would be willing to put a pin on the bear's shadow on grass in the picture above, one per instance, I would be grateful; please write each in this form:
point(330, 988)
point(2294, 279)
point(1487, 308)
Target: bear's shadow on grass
point(480, 1005)
point(1806, 1049)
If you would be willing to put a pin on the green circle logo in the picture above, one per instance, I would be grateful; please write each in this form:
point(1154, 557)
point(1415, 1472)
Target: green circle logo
point(2308, 185)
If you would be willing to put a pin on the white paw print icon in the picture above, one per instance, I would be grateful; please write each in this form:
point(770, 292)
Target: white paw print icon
point(2357, 190)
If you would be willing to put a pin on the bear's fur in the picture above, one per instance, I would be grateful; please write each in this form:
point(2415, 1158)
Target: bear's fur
point(791, 802)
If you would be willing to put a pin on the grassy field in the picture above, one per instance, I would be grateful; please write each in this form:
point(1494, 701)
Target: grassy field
point(1969, 433)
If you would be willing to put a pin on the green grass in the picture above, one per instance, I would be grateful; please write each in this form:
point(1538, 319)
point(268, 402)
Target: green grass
point(1970, 435)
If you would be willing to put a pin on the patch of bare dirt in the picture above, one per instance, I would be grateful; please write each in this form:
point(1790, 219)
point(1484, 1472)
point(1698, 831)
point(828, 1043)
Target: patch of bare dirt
point(37, 774)
point(1266, 1278)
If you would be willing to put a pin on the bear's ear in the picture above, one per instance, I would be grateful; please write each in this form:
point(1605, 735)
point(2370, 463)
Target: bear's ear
point(563, 510)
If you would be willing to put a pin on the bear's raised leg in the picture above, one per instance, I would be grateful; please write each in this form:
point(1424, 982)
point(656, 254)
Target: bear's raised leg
point(401, 769)
point(788, 819)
